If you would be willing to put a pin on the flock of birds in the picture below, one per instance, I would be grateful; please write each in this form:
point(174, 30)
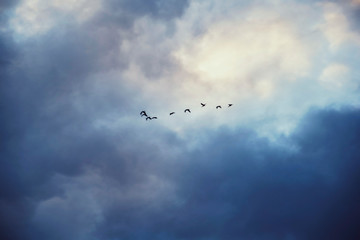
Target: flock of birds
point(144, 114)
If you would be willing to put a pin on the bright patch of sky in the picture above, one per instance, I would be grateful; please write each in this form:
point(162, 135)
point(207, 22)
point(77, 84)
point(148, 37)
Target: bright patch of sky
point(273, 61)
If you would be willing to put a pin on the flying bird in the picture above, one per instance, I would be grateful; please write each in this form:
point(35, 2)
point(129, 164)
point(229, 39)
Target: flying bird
point(230, 104)
point(172, 113)
point(203, 104)
point(148, 118)
point(218, 107)
point(143, 113)
point(187, 110)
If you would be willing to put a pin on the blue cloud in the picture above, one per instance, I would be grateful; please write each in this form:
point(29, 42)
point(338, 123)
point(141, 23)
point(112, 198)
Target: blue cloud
point(239, 186)
point(65, 176)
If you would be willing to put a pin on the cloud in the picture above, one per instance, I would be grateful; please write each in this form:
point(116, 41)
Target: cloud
point(78, 162)
point(335, 75)
point(256, 56)
point(336, 27)
point(246, 56)
point(240, 186)
point(7, 4)
point(155, 8)
point(36, 17)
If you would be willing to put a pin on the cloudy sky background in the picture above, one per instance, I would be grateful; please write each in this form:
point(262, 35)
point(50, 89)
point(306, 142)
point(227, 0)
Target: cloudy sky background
point(79, 163)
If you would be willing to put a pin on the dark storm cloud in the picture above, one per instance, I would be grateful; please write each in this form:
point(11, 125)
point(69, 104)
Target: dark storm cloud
point(49, 101)
point(12, 208)
point(40, 85)
point(235, 185)
point(239, 186)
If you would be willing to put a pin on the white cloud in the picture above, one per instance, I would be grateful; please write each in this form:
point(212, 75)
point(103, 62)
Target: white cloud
point(270, 60)
point(244, 60)
point(265, 58)
point(234, 51)
point(336, 26)
point(335, 75)
point(33, 17)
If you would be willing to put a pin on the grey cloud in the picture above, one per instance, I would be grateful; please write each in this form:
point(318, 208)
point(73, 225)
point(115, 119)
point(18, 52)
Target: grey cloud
point(234, 185)
point(45, 132)
point(352, 10)
point(4, 4)
point(126, 11)
point(240, 186)
point(43, 83)
point(118, 18)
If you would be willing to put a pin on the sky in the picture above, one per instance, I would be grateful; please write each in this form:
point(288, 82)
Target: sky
point(78, 162)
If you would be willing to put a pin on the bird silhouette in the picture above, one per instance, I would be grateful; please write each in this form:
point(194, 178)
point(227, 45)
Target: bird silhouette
point(172, 113)
point(143, 113)
point(148, 118)
point(153, 118)
point(203, 104)
point(230, 104)
point(187, 110)
point(218, 107)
